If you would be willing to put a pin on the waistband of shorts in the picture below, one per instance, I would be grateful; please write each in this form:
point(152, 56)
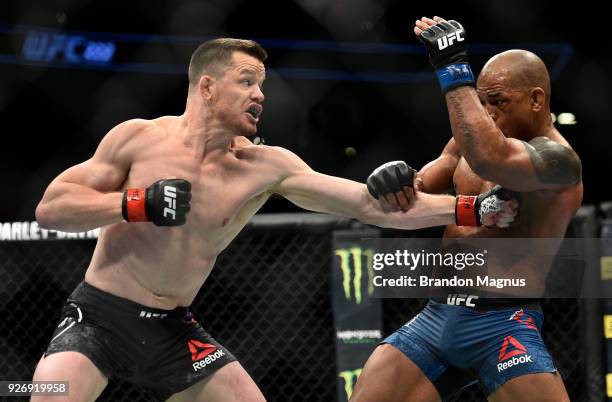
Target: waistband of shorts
point(92, 296)
point(482, 304)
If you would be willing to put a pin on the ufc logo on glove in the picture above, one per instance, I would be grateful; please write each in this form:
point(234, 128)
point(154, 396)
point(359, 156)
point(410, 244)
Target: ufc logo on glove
point(449, 39)
point(170, 199)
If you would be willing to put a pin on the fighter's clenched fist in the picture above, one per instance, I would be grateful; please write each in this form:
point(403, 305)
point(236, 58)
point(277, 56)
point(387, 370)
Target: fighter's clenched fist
point(165, 203)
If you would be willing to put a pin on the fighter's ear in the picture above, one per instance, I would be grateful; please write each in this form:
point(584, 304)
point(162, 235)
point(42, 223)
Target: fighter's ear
point(538, 98)
point(206, 86)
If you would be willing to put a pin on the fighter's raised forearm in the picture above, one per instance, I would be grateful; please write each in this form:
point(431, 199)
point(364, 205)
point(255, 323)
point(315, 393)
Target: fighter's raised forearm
point(473, 130)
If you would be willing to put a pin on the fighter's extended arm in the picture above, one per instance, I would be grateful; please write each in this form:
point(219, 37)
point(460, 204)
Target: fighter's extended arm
point(517, 165)
point(318, 192)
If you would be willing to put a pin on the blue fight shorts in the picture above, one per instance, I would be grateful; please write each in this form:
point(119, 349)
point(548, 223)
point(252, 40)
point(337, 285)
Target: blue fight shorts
point(492, 346)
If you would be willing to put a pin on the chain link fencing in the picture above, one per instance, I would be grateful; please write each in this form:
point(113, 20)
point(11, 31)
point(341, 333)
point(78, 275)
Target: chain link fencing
point(267, 300)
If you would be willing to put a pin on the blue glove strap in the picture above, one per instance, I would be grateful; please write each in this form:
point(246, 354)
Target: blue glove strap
point(454, 76)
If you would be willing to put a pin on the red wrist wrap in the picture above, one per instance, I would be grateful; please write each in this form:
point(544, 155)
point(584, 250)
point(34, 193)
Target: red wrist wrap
point(465, 214)
point(135, 205)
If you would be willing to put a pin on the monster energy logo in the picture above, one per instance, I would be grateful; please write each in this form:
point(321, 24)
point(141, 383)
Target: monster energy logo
point(350, 378)
point(351, 265)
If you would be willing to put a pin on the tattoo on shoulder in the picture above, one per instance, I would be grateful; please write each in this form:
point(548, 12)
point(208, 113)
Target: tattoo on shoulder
point(554, 163)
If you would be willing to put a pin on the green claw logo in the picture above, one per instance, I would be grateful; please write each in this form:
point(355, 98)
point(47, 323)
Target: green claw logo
point(350, 378)
point(352, 261)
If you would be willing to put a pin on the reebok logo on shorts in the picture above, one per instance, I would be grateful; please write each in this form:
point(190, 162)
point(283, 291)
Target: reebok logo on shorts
point(202, 354)
point(518, 355)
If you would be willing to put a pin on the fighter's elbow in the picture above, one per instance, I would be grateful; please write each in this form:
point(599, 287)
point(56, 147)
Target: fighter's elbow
point(483, 166)
point(45, 217)
point(42, 216)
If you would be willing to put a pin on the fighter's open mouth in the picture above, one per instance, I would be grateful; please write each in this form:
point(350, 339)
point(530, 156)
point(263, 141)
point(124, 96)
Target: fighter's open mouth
point(254, 110)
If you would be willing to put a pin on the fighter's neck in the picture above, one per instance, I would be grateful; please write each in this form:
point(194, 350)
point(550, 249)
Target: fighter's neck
point(204, 135)
point(546, 131)
point(545, 128)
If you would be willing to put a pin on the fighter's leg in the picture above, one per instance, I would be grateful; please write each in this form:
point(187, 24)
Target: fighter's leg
point(231, 383)
point(77, 354)
point(85, 381)
point(540, 387)
point(390, 376)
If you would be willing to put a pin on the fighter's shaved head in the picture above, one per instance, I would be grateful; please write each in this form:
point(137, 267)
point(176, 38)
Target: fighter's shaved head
point(516, 70)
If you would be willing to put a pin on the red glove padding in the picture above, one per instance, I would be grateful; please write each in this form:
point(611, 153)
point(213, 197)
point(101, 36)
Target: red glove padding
point(470, 209)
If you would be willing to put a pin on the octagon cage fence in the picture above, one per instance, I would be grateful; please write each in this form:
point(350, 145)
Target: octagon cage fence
point(268, 301)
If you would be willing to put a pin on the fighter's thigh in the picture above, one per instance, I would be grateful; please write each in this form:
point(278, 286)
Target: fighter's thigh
point(231, 383)
point(390, 376)
point(539, 387)
point(85, 381)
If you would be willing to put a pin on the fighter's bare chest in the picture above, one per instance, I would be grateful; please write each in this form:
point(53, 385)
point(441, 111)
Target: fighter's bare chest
point(219, 191)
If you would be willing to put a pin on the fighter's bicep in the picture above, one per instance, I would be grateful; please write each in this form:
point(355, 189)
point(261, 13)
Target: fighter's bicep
point(315, 191)
point(437, 175)
point(97, 175)
point(282, 168)
point(108, 168)
point(553, 163)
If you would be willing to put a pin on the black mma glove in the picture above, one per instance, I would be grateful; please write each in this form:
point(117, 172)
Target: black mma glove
point(165, 203)
point(390, 178)
point(446, 46)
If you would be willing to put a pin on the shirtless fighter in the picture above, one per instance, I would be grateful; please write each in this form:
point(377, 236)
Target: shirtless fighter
point(129, 317)
point(502, 134)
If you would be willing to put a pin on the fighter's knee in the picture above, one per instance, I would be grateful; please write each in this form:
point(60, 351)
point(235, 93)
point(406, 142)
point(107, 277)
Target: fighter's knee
point(256, 398)
point(44, 370)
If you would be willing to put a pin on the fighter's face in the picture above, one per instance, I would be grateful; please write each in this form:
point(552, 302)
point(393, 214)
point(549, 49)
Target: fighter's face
point(510, 107)
point(239, 94)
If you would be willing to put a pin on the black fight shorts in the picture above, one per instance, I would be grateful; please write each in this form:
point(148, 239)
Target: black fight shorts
point(163, 351)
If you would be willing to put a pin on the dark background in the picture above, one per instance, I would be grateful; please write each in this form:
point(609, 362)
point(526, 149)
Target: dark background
point(52, 118)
